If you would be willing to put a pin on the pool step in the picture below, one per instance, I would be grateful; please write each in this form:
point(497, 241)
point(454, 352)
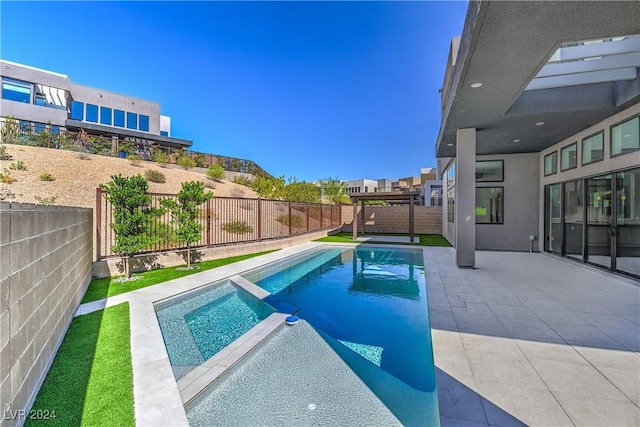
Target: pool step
point(199, 378)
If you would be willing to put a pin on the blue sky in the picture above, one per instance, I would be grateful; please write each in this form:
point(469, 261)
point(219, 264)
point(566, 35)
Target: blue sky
point(305, 89)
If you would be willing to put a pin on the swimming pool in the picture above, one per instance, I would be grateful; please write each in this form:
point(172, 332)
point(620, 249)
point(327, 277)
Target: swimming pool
point(369, 306)
point(199, 324)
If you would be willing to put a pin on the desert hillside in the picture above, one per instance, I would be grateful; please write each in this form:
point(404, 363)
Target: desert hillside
point(76, 177)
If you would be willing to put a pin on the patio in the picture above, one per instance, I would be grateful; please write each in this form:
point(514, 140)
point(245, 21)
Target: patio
point(533, 339)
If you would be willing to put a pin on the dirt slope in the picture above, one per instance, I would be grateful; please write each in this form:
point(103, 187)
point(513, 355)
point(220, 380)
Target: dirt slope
point(76, 179)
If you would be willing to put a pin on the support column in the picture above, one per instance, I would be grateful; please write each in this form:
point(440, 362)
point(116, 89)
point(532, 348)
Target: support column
point(411, 219)
point(355, 220)
point(364, 220)
point(465, 198)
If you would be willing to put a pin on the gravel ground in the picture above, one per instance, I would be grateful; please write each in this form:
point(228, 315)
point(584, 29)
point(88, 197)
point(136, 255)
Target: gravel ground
point(76, 179)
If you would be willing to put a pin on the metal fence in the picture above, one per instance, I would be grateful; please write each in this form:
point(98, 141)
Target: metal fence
point(225, 220)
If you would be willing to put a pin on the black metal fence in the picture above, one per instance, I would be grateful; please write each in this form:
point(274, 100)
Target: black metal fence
point(225, 220)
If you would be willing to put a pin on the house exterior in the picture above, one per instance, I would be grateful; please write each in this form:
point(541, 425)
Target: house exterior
point(539, 137)
point(41, 100)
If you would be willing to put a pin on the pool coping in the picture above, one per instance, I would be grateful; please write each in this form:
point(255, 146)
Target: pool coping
point(157, 395)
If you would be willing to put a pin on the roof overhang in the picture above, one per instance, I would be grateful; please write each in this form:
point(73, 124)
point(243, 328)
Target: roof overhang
point(505, 45)
point(98, 129)
point(387, 196)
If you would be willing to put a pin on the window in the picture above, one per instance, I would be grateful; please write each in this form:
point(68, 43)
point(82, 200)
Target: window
point(144, 123)
point(47, 96)
point(551, 163)
point(625, 137)
point(489, 205)
point(39, 127)
point(132, 121)
point(593, 148)
point(164, 133)
point(105, 115)
point(118, 118)
point(77, 110)
point(92, 113)
point(16, 90)
point(490, 171)
point(450, 177)
point(569, 157)
point(366, 189)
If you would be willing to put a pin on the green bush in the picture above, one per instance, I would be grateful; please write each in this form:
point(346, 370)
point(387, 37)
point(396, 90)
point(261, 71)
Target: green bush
point(237, 227)
point(134, 159)
point(155, 176)
point(3, 153)
point(242, 180)
point(19, 165)
point(186, 162)
point(215, 172)
point(46, 176)
point(7, 178)
point(201, 160)
point(161, 157)
point(296, 220)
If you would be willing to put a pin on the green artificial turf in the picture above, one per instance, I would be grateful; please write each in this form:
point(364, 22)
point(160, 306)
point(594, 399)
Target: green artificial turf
point(425, 239)
point(90, 382)
point(108, 286)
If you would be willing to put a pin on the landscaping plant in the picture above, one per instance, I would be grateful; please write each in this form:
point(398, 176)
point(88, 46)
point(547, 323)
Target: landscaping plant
point(186, 162)
point(155, 176)
point(184, 213)
point(215, 172)
point(132, 215)
point(46, 176)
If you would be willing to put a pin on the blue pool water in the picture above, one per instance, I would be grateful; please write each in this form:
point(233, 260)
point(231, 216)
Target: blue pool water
point(197, 325)
point(372, 301)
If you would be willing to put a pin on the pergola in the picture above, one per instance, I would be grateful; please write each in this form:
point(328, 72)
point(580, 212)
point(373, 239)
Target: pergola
point(396, 197)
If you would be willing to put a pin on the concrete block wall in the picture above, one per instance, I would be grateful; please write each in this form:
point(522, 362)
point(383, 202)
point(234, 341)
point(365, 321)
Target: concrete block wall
point(113, 266)
point(395, 219)
point(45, 268)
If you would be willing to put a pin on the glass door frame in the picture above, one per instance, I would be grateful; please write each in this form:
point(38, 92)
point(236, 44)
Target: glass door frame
point(613, 227)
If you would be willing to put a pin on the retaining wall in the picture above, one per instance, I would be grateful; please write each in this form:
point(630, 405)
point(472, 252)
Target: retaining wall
point(45, 268)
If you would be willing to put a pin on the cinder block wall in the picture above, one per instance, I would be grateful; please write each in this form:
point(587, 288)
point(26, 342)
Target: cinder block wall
point(395, 219)
point(45, 268)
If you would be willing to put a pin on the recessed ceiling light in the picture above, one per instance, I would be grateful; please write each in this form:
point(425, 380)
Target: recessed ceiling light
point(516, 140)
point(476, 85)
point(449, 145)
point(539, 123)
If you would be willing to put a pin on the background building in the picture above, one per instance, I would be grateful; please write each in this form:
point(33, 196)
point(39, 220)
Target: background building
point(42, 100)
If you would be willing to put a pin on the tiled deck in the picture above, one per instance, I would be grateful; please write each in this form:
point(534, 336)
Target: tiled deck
point(533, 339)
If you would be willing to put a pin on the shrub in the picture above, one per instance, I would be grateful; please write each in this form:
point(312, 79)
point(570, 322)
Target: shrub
point(215, 172)
point(201, 160)
point(46, 200)
point(296, 220)
point(155, 176)
point(242, 180)
point(3, 153)
point(83, 156)
point(237, 227)
point(7, 178)
point(134, 159)
point(186, 162)
point(46, 176)
point(161, 157)
point(19, 165)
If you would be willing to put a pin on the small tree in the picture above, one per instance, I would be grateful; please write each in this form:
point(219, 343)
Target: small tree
point(215, 172)
point(184, 213)
point(132, 215)
point(333, 191)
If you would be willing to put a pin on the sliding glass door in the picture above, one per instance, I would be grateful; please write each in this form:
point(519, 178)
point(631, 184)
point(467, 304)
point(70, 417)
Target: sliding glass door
point(553, 219)
point(596, 220)
point(627, 235)
point(599, 220)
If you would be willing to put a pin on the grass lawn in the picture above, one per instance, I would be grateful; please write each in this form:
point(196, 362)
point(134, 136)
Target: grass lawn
point(425, 239)
point(108, 287)
point(91, 380)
